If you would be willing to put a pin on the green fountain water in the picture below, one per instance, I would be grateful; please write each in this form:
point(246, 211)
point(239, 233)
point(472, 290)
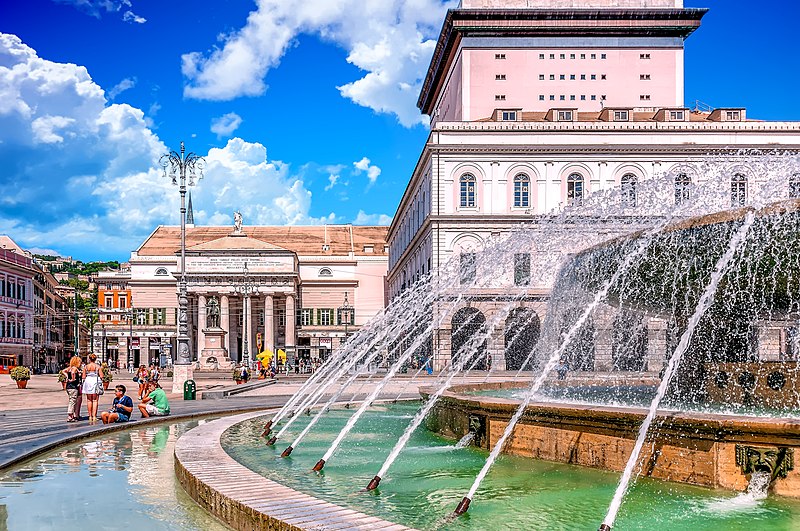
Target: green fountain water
point(432, 475)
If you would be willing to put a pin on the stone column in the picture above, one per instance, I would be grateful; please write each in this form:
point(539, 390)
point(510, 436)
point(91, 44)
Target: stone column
point(225, 322)
point(201, 324)
point(269, 323)
point(291, 340)
point(251, 345)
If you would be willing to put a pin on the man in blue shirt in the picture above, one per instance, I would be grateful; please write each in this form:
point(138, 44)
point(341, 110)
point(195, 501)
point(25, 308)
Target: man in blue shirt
point(121, 408)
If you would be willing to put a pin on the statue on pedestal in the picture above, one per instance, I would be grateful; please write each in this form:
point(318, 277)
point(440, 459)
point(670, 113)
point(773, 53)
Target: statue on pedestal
point(212, 313)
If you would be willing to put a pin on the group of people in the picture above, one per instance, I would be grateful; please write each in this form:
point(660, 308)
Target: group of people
point(85, 380)
point(145, 375)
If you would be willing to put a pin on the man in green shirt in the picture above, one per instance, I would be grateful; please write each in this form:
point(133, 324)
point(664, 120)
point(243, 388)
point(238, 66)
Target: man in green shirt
point(154, 402)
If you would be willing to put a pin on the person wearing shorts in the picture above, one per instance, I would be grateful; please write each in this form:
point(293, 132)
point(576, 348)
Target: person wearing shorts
point(121, 409)
point(154, 403)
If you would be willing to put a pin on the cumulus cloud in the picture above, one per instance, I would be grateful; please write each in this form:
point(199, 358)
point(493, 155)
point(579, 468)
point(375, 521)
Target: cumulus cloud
point(391, 41)
point(80, 170)
point(226, 124)
point(332, 178)
point(97, 8)
point(364, 165)
point(122, 86)
point(371, 219)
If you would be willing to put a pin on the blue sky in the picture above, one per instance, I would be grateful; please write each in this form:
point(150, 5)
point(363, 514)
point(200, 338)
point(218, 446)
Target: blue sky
point(305, 111)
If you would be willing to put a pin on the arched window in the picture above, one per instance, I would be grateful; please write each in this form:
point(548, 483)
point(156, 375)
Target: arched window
point(161, 272)
point(682, 184)
point(575, 189)
point(627, 187)
point(467, 190)
point(522, 186)
point(325, 272)
point(794, 185)
point(738, 190)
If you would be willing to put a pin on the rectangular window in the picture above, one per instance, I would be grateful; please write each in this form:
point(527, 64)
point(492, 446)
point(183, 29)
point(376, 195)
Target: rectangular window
point(593, 97)
point(468, 267)
point(509, 116)
point(583, 56)
point(326, 317)
point(500, 77)
point(552, 56)
point(541, 56)
point(602, 76)
point(552, 77)
point(305, 317)
point(572, 56)
point(644, 77)
point(644, 97)
point(562, 56)
point(346, 317)
point(541, 97)
point(160, 316)
point(541, 77)
point(281, 317)
point(123, 302)
point(676, 116)
point(500, 97)
point(499, 56)
point(562, 77)
point(522, 269)
point(572, 97)
point(583, 97)
point(620, 116)
point(552, 97)
point(583, 77)
point(602, 56)
point(109, 301)
point(593, 77)
point(644, 56)
point(732, 115)
point(593, 56)
point(572, 77)
point(141, 316)
point(562, 97)
point(564, 116)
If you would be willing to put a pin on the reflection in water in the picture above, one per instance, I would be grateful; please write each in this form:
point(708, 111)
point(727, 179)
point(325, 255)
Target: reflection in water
point(129, 475)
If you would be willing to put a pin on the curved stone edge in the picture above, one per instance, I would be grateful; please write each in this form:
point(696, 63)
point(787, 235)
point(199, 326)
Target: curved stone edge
point(245, 500)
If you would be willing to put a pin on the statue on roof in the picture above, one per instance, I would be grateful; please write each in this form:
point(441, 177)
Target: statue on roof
point(237, 222)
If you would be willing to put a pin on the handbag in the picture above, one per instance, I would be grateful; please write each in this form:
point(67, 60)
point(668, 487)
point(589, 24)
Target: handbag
point(136, 379)
point(98, 388)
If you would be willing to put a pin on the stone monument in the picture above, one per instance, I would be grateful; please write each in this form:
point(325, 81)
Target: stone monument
point(213, 354)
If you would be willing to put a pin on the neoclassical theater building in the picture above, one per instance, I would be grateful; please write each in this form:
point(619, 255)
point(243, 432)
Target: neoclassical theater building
point(298, 288)
point(534, 105)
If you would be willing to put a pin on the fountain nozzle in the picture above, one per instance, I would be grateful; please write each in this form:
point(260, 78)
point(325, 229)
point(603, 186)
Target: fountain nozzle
point(272, 440)
point(287, 452)
point(374, 483)
point(462, 507)
point(604, 527)
point(319, 465)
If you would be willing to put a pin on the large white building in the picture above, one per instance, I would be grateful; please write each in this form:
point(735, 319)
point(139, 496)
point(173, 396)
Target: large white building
point(535, 104)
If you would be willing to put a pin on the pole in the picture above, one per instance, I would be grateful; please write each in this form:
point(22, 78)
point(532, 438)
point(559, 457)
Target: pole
point(130, 339)
point(76, 351)
point(91, 331)
point(103, 346)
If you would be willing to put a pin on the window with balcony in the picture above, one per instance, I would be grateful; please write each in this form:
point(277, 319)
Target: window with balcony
point(628, 190)
point(575, 189)
point(468, 267)
point(738, 190)
point(522, 269)
point(467, 190)
point(522, 184)
point(683, 183)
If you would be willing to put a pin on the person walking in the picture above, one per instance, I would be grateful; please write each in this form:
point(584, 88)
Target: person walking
point(92, 386)
point(73, 374)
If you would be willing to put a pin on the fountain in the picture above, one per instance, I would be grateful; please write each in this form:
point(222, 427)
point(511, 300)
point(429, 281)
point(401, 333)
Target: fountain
point(692, 309)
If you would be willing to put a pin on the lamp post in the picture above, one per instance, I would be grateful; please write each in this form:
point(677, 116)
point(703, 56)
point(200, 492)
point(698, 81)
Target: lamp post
point(246, 287)
point(129, 314)
point(346, 315)
point(103, 346)
point(183, 170)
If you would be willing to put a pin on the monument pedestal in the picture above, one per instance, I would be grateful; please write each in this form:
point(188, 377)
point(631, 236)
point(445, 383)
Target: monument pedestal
point(213, 355)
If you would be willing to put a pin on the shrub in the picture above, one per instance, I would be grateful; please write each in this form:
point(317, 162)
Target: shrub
point(20, 373)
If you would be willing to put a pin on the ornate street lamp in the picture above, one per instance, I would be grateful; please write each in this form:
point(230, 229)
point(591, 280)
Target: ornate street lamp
point(246, 287)
point(183, 170)
point(345, 314)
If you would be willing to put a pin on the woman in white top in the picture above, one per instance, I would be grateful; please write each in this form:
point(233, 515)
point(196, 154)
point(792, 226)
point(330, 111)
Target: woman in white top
point(91, 383)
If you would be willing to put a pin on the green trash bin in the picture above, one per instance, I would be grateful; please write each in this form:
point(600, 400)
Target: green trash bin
point(189, 390)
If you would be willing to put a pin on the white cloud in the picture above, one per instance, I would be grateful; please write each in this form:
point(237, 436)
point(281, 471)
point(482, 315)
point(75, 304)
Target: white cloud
point(373, 172)
point(371, 219)
point(391, 41)
point(332, 178)
point(122, 86)
point(96, 8)
point(81, 172)
point(226, 124)
point(130, 16)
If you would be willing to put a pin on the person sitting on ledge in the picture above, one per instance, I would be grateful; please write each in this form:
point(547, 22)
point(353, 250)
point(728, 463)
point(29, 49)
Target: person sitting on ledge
point(154, 402)
point(121, 409)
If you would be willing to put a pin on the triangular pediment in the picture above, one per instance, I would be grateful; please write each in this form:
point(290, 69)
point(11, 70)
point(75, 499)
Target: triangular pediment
point(236, 243)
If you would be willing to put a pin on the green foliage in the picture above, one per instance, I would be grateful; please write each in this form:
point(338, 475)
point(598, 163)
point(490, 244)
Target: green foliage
point(20, 372)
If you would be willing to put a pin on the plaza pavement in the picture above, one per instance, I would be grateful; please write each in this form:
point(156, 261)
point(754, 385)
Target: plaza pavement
point(33, 420)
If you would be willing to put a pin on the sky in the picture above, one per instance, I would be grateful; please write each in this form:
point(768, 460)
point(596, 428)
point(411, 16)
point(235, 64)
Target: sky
point(304, 111)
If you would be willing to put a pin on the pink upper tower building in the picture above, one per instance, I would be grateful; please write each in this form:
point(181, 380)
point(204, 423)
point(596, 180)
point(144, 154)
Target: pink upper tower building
point(533, 55)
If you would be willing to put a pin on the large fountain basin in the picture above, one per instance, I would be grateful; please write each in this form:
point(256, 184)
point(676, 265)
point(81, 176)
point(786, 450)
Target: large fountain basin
point(694, 448)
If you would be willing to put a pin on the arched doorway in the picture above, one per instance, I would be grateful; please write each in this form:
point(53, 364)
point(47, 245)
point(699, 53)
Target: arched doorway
point(579, 353)
point(629, 342)
point(466, 323)
point(522, 333)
